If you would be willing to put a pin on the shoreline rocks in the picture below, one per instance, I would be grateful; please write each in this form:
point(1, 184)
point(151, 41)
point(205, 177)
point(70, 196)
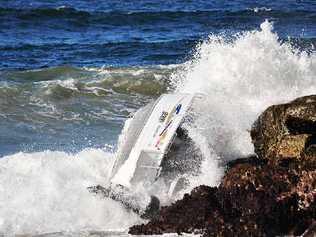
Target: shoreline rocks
point(273, 193)
point(286, 131)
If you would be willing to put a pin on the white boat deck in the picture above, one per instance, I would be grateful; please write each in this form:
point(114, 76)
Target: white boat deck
point(152, 142)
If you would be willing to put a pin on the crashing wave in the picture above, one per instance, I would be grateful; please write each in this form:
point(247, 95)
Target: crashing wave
point(239, 78)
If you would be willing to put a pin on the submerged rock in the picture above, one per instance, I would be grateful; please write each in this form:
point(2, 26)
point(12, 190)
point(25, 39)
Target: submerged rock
point(269, 195)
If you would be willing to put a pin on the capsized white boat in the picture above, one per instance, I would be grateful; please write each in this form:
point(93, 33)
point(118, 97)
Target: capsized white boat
point(151, 143)
point(147, 138)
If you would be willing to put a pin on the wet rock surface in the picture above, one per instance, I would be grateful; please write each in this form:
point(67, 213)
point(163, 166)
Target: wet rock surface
point(270, 194)
point(286, 131)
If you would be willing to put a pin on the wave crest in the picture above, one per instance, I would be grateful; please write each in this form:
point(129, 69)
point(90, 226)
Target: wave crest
point(240, 77)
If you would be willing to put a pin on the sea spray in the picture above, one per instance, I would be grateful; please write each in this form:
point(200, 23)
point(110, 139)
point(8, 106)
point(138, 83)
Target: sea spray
point(240, 78)
point(47, 192)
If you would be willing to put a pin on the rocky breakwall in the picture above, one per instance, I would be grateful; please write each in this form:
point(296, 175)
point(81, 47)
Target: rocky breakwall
point(272, 193)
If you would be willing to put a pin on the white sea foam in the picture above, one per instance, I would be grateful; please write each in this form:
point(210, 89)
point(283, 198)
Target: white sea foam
point(240, 78)
point(46, 191)
point(260, 9)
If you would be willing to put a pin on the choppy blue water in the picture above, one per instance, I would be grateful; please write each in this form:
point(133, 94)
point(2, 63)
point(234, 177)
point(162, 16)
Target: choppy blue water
point(72, 71)
point(37, 34)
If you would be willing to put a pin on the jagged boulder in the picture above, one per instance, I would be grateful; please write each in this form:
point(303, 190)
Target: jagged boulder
point(287, 131)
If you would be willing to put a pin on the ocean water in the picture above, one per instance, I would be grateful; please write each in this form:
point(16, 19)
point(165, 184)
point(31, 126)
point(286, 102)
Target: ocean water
point(72, 72)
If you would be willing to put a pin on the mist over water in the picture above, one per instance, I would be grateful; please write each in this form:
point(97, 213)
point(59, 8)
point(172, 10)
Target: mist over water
point(238, 78)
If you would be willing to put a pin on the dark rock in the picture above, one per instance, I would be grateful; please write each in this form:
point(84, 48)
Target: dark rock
point(253, 160)
point(279, 199)
point(300, 126)
point(191, 213)
point(311, 231)
point(128, 200)
point(152, 210)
